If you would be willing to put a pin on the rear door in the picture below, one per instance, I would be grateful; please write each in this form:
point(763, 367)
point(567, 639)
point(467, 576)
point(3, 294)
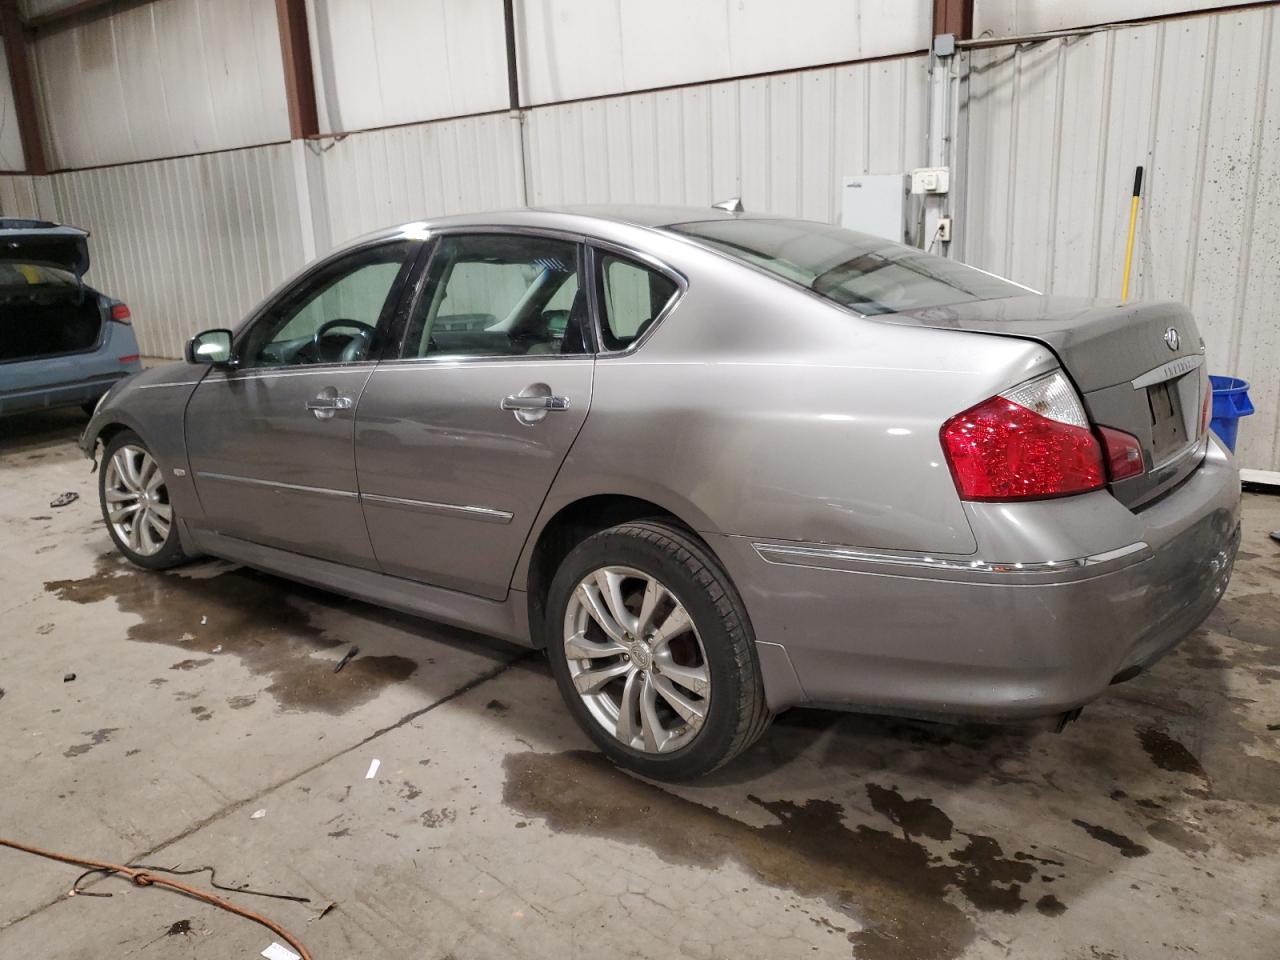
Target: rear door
point(459, 440)
point(270, 441)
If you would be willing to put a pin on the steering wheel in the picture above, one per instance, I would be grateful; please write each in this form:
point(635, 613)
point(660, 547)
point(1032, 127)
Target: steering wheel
point(358, 344)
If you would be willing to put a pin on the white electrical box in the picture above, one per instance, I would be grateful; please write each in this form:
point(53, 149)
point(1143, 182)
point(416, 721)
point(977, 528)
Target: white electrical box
point(931, 180)
point(875, 204)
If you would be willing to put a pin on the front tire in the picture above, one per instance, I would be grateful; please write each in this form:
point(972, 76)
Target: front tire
point(135, 504)
point(653, 653)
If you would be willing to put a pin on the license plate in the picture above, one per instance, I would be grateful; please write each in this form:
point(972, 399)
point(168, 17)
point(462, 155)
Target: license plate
point(1168, 425)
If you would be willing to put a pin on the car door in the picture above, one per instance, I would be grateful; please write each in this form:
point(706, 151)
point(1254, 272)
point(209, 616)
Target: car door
point(459, 440)
point(269, 439)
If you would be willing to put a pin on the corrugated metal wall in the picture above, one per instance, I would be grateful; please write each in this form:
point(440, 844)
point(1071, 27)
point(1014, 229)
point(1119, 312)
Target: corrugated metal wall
point(189, 243)
point(27, 197)
point(371, 180)
point(1055, 131)
point(165, 79)
point(780, 142)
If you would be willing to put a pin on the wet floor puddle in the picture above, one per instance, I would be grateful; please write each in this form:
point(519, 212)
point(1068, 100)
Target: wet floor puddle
point(273, 626)
point(898, 887)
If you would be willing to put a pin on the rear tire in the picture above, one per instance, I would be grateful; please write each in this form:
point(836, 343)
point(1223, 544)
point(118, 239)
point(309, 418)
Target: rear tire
point(665, 679)
point(134, 498)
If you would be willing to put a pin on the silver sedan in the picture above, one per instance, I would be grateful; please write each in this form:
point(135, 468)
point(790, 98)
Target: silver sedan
point(716, 465)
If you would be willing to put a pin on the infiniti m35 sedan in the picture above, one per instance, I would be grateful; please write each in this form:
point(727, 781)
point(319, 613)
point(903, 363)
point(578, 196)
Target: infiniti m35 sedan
point(716, 465)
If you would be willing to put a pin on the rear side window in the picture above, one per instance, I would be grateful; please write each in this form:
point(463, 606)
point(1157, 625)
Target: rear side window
point(856, 270)
point(633, 296)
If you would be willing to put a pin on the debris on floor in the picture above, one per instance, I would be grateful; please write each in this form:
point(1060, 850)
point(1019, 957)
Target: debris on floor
point(278, 952)
point(346, 658)
point(62, 499)
point(68, 677)
point(373, 769)
point(257, 814)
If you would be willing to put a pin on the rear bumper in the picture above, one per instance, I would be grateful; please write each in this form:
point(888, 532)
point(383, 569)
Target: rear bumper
point(60, 394)
point(960, 637)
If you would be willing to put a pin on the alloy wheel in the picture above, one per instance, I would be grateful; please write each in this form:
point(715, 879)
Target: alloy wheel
point(137, 500)
point(636, 660)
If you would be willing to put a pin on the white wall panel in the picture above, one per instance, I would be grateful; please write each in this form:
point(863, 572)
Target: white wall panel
point(169, 78)
point(187, 243)
point(570, 49)
point(1054, 133)
point(384, 62)
point(30, 197)
point(780, 142)
point(384, 177)
point(11, 155)
point(1006, 18)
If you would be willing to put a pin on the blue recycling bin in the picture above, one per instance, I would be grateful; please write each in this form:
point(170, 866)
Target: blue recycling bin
point(1230, 403)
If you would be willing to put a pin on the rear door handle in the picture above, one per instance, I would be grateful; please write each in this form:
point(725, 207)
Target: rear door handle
point(535, 404)
point(324, 407)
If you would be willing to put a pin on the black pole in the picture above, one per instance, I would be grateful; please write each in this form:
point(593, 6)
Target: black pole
point(513, 79)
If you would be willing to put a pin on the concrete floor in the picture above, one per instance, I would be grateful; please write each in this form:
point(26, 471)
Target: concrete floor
point(1150, 828)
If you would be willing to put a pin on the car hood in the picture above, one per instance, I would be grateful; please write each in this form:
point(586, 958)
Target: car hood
point(34, 241)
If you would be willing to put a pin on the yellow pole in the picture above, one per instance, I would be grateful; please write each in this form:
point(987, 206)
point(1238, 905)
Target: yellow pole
point(1133, 224)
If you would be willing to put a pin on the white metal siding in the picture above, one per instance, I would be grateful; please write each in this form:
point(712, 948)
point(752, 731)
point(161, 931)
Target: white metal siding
point(384, 62)
point(572, 49)
point(782, 142)
point(371, 180)
point(169, 78)
point(1005, 18)
point(1055, 132)
point(188, 243)
point(11, 155)
point(30, 197)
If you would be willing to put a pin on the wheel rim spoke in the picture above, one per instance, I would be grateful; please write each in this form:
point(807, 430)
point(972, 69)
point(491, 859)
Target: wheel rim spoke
point(578, 647)
point(676, 623)
point(628, 707)
point(590, 681)
point(589, 595)
point(690, 711)
point(610, 586)
point(655, 734)
point(693, 679)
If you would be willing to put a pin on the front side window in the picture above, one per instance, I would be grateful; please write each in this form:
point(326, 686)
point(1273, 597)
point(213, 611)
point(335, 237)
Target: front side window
point(500, 295)
point(332, 317)
point(856, 270)
point(633, 296)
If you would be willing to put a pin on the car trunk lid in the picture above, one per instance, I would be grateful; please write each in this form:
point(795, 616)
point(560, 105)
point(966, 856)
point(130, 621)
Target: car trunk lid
point(1138, 366)
point(43, 243)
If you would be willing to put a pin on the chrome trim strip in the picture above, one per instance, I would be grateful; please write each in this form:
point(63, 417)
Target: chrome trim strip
point(175, 383)
point(483, 514)
point(853, 560)
point(277, 485)
point(1167, 371)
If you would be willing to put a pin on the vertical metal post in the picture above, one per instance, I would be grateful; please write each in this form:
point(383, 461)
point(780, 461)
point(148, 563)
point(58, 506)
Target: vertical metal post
point(299, 80)
point(24, 89)
point(519, 153)
point(952, 21)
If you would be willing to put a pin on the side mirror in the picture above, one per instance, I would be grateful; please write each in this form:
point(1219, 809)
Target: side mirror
point(212, 347)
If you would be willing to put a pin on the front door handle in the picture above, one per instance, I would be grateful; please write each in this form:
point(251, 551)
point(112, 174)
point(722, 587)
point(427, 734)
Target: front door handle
point(325, 405)
point(535, 404)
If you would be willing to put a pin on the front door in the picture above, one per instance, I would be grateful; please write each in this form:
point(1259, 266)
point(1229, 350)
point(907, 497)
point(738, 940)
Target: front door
point(458, 442)
point(270, 440)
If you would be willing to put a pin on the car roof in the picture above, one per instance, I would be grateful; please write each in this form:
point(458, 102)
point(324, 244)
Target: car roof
point(574, 218)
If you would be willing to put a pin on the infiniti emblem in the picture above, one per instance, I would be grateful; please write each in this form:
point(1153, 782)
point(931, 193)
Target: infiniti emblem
point(1171, 339)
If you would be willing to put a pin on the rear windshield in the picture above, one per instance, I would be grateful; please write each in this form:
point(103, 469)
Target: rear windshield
point(856, 270)
point(25, 275)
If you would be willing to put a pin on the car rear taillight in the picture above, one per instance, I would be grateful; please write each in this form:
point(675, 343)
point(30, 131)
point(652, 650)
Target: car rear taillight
point(1029, 443)
point(1124, 453)
point(120, 313)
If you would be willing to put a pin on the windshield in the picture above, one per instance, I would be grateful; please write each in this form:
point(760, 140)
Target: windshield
point(856, 270)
